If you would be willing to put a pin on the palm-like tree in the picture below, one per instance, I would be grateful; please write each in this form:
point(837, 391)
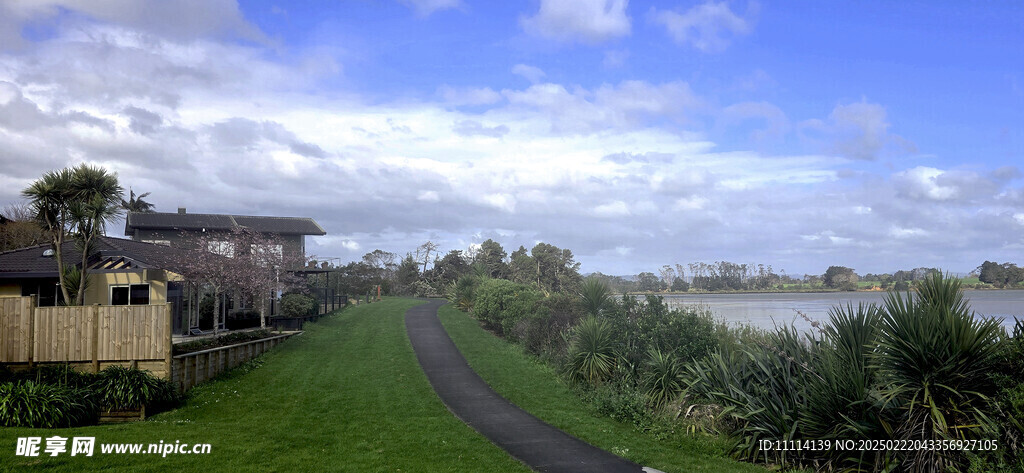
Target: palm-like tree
point(135, 203)
point(595, 296)
point(74, 202)
point(49, 197)
point(97, 198)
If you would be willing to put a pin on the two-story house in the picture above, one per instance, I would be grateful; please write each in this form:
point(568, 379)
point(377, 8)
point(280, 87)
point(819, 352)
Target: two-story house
point(182, 229)
point(176, 229)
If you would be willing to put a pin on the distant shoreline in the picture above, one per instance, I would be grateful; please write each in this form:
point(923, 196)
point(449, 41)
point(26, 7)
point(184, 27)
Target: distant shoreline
point(802, 291)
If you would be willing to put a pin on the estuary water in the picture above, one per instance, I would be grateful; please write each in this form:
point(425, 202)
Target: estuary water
point(767, 310)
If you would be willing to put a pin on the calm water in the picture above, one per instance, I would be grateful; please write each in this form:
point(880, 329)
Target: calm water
point(766, 310)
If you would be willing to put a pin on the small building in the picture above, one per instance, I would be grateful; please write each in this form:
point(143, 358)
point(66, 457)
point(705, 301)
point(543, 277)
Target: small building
point(121, 272)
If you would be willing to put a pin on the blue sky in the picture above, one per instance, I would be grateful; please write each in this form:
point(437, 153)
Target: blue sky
point(876, 135)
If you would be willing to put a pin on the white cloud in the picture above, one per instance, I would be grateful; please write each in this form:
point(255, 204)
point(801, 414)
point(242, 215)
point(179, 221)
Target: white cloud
point(690, 203)
point(859, 130)
point(901, 232)
point(616, 208)
point(428, 196)
point(585, 21)
point(626, 104)
point(181, 19)
point(609, 171)
point(468, 96)
point(928, 183)
point(501, 201)
point(707, 27)
point(862, 129)
point(426, 7)
point(530, 73)
point(475, 128)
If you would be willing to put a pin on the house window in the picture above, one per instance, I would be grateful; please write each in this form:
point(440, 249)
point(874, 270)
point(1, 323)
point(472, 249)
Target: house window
point(223, 248)
point(158, 242)
point(134, 294)
point(267, 255)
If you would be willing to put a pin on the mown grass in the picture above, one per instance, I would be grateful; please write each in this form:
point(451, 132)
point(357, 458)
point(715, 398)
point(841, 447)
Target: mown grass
point(347, 395)
point(535, 387)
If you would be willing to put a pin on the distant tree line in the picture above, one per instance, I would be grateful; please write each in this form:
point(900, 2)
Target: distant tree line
point(729, 276)
point(1001, 275)
point(544, 267)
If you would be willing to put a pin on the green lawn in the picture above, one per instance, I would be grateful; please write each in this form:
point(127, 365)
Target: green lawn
point(347, 395)
point(534, 387)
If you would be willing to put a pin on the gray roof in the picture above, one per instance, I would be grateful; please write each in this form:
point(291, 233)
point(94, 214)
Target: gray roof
point(30, 262)
point(187, 221)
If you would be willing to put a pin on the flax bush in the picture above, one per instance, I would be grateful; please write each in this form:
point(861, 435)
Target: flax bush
point(118, 387)
point(32, 404)
point(918, 368)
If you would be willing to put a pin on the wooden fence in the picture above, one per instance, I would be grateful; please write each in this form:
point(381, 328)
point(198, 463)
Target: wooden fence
point(193, 368)
point(94, 335)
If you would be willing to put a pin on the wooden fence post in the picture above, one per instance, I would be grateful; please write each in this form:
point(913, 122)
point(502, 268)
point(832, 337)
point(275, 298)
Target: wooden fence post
point(96, 338)
point(170, 340)
point(31, 332)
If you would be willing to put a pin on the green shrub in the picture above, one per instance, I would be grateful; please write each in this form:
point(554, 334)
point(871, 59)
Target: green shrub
point(593, 352)
point(542, 332)
point(5, 373)
point(934, 358)
point(621, 402)
point(230, 338)
point(297, 305)
point(60, 374)
point(118, 387)
point(663, 377)
point(31, 404)
point(595, 296)
point(689, 334)
point(1008, 404)
point(841, 403)
point(463, 292)
point(420, 288)
point(500, 304)
point(917, 369)
point(762, 387)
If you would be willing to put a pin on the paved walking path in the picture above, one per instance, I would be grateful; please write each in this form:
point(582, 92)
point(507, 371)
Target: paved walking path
point(527, 438)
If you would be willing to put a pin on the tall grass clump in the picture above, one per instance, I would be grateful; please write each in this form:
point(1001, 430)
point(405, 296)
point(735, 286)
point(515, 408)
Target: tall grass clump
point(32, 404)
point(762, 388)
point(918, 368)
point(463, 292)
point(118, 387)
point(595, 296)
point(1006, 408)
point(593, 354)
point(934, 358)
point(842, 401)
point(663, 378)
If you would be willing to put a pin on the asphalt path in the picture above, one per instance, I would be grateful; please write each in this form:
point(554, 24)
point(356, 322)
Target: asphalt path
point(530, 440)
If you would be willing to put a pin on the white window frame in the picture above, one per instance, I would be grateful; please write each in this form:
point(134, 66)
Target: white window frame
point(276, 253)
point(220, 247)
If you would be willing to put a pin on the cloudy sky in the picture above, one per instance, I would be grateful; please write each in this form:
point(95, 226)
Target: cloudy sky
point(876, 135)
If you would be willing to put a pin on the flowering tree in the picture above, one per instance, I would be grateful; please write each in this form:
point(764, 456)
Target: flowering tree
point(242, 260)
point(261, 267)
